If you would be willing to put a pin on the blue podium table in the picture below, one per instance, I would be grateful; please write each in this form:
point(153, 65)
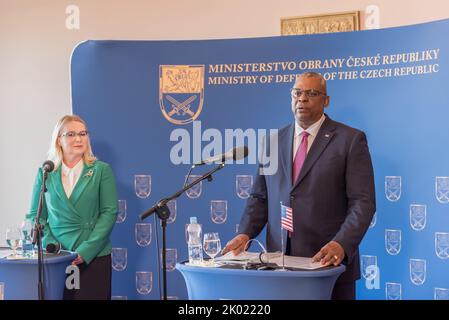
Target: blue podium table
point(204, 283)
point(21, 276)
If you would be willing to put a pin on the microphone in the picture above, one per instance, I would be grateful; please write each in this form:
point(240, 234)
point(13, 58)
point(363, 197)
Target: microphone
point(234, 154)
point(48, 166)
point(53, 248)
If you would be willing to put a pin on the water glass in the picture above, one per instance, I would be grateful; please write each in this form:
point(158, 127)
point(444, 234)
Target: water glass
point(212, 245)
point(13, 237)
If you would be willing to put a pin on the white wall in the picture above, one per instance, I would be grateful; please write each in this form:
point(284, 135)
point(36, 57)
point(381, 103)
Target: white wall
point(36, 45)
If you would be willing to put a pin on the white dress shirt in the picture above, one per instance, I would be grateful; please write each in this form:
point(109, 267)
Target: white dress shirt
point(312, 130)
point(70, 176)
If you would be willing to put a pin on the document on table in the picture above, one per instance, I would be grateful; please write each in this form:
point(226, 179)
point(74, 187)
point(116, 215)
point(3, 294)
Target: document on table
point(248, 257)
point(269, 257)
point(5, 253)
point(297, 262)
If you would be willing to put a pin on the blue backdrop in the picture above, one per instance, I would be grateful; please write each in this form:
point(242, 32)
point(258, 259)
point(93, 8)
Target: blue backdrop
point(390, 83)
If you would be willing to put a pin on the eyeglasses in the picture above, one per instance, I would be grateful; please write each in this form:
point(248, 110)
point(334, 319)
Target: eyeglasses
point(311, 93)
point(73, 134)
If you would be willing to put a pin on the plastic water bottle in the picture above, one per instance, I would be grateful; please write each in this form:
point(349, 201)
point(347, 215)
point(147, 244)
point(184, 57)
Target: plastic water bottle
point(194, 242)
point(27, 242)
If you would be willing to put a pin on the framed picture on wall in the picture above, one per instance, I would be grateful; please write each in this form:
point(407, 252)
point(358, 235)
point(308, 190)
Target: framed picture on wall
point(337, 22)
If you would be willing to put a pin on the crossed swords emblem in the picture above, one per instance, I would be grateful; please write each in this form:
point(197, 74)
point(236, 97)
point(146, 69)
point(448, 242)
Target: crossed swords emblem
point(181, 106)
point(443, 195)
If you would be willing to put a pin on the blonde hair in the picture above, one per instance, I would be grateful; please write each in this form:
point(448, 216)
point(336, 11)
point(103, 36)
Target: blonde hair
point(55, 151)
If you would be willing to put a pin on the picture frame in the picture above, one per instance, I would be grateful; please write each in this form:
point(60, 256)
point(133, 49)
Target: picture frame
point(326, 23)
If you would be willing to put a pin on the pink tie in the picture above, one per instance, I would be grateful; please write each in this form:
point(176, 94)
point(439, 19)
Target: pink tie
point(300, 156)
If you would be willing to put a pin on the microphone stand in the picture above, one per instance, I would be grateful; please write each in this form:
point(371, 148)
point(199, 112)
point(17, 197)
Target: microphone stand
point(163, 212)
point(37, 238)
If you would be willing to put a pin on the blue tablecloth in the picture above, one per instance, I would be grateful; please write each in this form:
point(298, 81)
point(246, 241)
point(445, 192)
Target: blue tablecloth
point(205, 283)
point(21, 276)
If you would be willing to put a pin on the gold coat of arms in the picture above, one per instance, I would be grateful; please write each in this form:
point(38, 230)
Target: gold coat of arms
point(181, 92)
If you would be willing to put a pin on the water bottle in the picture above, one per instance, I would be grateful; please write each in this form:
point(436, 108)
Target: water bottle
point(27, 242)
point(194, 234)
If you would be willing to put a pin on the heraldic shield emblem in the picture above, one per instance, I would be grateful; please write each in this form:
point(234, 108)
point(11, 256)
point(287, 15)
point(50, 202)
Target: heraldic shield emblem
point(144, 282)
point(367, 262)
point(393, 241)
point(143, 233)
point(119, 258)
point(418, 216)
point(181, 92)
point(442, 244)
point(393, 186)
point(442, 189)
point(441, 294)
point(219, 211)
point(142, 185)
point(417, 271)
point(393, 291)
point(121, 214)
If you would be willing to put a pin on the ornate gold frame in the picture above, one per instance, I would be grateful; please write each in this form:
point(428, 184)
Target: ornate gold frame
point(327, 23)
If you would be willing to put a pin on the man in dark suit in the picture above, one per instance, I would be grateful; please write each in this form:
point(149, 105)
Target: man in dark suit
point(325, 175)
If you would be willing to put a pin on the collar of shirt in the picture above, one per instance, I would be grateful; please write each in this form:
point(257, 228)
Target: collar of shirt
point(312, 130)
point(76, 170)
point(70, 176)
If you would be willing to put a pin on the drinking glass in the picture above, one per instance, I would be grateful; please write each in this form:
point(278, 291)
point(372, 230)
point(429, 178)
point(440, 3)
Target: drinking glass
point(212, 245)
point(13, 236)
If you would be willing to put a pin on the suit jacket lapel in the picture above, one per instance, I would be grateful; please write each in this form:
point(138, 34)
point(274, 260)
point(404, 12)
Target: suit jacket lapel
point(86, 176)
point(286, 149)
point(320, 143)
point(56, 184)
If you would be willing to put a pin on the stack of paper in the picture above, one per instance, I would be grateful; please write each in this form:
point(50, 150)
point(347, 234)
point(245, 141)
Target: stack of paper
point(269, 257)
point(248, 257)
point(297, 262)
point(5, 253)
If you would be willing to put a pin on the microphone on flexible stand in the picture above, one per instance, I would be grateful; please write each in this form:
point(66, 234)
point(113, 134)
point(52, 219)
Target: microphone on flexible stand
point(236, 153)
point(48, 166)
point(53, 248)
point(163, 212)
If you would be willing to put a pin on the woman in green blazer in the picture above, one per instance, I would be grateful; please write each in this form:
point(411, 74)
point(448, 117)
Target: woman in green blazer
point(80, 207)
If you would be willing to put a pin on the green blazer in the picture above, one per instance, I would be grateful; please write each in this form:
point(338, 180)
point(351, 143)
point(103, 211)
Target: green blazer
point(83, 222)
